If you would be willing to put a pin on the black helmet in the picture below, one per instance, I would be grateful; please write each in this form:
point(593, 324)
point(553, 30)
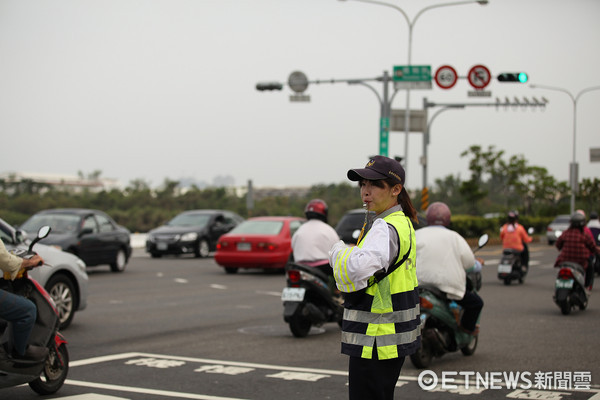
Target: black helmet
point(577, 220)
point(438, 213)
point(512, 216)
point(316, 208)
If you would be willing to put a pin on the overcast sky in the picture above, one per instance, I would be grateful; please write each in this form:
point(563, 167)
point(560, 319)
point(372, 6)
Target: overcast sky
point(155, 89)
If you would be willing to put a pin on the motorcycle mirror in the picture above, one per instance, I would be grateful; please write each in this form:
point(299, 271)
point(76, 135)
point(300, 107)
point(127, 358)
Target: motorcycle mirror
point(530, 230)
point(483, 240)
point(355, 234)
point(42, 233)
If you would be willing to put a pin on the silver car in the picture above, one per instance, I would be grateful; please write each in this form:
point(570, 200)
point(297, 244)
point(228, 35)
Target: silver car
point(557, 227)
point(64, 276)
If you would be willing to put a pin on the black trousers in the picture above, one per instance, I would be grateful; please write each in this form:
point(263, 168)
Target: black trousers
point(472, 305)
point(373, 379)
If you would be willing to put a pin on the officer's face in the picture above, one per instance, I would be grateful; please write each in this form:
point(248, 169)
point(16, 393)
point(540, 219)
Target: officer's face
point(378, 195)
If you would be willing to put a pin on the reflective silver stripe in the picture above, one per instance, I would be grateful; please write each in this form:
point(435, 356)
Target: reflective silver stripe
point(399, 338)
point(360, 339)
point(393, 317)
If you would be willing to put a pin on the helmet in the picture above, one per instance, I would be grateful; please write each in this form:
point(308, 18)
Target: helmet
point(512, 216)
point(577, 220)
point(593, 215)
point(316, 208)
point(438, 213)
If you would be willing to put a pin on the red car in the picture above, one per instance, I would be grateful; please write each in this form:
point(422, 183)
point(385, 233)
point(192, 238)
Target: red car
point(259, 242)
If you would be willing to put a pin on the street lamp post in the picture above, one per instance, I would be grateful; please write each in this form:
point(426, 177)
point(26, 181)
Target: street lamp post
point(411, 24)
point(572, 170)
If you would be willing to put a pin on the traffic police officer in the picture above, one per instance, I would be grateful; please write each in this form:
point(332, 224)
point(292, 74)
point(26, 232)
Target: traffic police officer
point(381, 322)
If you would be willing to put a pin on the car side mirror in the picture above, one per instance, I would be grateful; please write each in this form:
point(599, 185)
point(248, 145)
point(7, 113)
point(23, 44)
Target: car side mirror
point(85, 231)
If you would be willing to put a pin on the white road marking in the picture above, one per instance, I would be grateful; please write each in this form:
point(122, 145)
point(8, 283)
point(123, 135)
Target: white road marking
point(216, 286)
point(166, 393)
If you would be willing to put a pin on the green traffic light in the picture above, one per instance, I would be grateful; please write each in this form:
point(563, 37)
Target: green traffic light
point(523, 77)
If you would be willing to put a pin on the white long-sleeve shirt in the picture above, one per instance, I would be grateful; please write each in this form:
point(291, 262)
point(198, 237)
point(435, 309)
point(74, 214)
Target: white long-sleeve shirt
point(443, 256)
point(312, 241)
point(376, 253)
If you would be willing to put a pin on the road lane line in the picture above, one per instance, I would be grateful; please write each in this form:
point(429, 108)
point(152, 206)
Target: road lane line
point(131, 389)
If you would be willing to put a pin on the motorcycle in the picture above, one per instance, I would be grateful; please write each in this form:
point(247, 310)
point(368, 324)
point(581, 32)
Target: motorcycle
point(511, 265)
point(570, 287)
point(310, 298)
point(47, 376)
point(440, 321)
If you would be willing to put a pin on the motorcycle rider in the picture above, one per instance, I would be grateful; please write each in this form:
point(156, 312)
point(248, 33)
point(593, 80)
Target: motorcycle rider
point(443, 256)
point(19, 310)
point(313, 239)
point(576, 246)
point(514, 236)
point(594, 225)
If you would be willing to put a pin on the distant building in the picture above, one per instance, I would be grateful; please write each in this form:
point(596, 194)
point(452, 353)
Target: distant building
point(62, 182)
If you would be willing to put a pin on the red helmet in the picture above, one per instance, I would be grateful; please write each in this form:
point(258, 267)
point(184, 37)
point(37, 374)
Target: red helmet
point(316, 208)
point(438, 213)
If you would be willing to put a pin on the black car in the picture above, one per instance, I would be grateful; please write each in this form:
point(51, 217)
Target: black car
point(91, 235)
point(351, 223)
point(191, 232)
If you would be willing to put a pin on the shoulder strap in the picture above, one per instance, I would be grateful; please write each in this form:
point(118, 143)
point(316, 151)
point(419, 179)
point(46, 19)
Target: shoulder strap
point(382, 273)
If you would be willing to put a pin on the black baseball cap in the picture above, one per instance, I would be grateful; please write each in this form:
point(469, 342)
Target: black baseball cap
point(379, 167)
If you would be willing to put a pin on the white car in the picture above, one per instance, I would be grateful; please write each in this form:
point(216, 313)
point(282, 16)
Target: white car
point(63, 276)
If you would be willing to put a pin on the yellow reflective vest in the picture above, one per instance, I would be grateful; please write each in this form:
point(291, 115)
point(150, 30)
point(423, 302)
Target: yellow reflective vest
point(385, 316)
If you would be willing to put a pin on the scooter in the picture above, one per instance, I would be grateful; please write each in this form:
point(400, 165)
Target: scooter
point(47, 376)
point(570, 289)
point(440, 322)
point(310, 298)
point(511, 267)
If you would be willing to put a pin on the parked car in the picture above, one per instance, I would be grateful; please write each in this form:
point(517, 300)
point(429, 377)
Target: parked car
point(557, 227)
point(63, 276)
point(349, 226)
point(91, 235)
point(259, 242)
point(191, 232)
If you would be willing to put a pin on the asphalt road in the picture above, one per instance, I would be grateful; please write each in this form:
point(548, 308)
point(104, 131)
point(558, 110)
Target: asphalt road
point(179, 327)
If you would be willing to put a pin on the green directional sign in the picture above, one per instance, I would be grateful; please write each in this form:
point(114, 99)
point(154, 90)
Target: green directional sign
point(412, 76)
point(412, 73)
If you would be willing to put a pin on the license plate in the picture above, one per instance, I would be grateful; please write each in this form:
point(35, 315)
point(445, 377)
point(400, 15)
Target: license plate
point(292, 294)
point(161, 246)
point(504, 269)
point(564, 283)
point(243, 246)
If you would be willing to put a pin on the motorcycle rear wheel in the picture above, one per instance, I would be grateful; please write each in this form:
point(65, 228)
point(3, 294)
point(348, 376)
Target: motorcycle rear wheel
point(299, 326)
point(54, 374)
point(423, 356)
point(565, 306)
point(469, 349)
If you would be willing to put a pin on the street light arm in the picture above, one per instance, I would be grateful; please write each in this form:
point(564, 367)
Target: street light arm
point(586, 90)
point(456, 3)
point(358, 82)
point(558, 89)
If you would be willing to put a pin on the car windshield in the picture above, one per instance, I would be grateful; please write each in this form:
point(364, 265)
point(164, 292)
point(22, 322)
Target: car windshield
point(351, 221)
point(562, 220)
point(190, 220)
point(60, 223)
point(259, 227)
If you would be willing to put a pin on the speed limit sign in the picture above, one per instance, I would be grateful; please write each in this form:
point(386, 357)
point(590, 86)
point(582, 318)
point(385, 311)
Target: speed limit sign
point(446, 77)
